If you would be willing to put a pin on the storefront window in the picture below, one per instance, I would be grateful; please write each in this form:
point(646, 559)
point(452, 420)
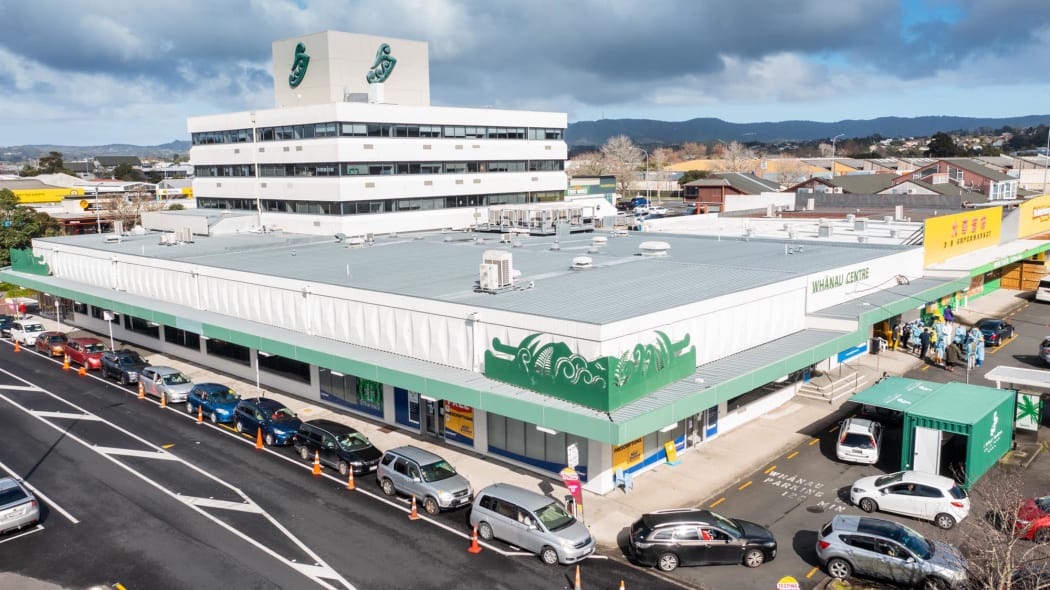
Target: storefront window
point(229, 351)
point(141, 326)
point(283, 366)
point(521, 441)
point(182, 338)
point(354, 392)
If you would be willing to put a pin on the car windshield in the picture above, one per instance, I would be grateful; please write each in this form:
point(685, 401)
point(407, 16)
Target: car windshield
point(856, 439)
point(33, 327)
point(554, 517)
point(223, 396)
point(354, 441)
point(282, 415)
point(1043, 503)
point(438, 471)
point(95, 347)
point(915, 542)
point(728, 524)
point(888, 479)
point(176, 379)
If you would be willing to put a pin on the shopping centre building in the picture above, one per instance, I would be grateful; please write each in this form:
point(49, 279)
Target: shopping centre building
point(539, 345)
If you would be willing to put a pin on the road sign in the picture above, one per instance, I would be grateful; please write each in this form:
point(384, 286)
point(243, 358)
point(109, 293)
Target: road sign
point(83, 204)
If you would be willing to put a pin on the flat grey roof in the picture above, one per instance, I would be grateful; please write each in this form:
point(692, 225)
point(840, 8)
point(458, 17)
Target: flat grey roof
point(445, 267)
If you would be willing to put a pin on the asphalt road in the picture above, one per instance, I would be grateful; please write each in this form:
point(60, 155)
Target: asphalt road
point(157, 501)
point(797, 491)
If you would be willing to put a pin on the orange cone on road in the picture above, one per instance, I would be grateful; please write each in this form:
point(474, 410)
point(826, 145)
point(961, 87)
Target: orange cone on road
point(474, 547)
point(65, 363)
point(578, 586)
point(350, 478)
point(258, 438)
point(142, 391)
point(317, 463)
point(622, 587)
point(17, 347)
point(200, 414)
point(82, 371)
point(163, 400)
point(414, 515)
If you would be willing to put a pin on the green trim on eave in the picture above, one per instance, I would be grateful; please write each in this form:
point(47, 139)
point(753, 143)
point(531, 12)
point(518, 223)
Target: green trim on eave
point(980, 270)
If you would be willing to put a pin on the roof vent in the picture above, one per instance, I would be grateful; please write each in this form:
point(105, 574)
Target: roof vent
point(599, 241)
point(850, 218)
point(862, 239)
point(582, 263)
point(654, 248)
point(860, 225)
point(824, 230)
point(355, 242)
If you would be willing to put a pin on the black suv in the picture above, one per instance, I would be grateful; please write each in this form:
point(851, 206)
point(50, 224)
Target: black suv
point(339, 446)
point(124, 365)
point(669, 538)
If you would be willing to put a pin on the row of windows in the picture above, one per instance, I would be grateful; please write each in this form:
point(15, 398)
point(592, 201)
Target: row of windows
point(331, 129)
point(380, 168)
point(375, 206)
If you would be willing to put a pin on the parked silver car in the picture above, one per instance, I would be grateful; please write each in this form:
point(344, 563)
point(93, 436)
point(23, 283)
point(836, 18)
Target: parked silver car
point(18, 506)
point(885, 549)
point(416, 472)
point(175, 385)
point(531, 521)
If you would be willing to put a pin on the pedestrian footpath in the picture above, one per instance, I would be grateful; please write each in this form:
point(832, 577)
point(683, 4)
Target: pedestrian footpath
point(701, 474)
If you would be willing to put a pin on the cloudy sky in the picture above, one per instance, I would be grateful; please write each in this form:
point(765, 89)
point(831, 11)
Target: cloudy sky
point(90, 72)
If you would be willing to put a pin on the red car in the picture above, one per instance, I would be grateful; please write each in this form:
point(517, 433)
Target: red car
point(52, 343)
point(1033, 519)
point(86, 352)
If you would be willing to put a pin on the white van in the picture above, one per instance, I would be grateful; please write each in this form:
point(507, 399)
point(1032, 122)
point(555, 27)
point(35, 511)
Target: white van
point(1043, 292)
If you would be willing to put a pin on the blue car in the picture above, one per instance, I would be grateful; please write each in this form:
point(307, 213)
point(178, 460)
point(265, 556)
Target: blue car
point(216, 401)
point(277, 422)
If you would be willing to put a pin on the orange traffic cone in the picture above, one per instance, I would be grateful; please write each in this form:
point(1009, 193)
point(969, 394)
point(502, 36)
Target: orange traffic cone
point(258, 438)
point(474, 547)
point(200, 414)
point(317, 463)
point(350, 478)
point(578, 586)
point(163, 400)
point(413, 515)
point(622, 587)
point(65, 363)
point(142, 391)
point(82, 371)
point(17, 347)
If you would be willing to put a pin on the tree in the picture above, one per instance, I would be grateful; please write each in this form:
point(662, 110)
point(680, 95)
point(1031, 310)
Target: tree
point(588, 164)
point(942, 145)
point(691, 150)
point(659, 160)
point(51, 163)
point(622, 159)
point(125, 171)
point(692, 175)
point(736, 157)
point(19, 225)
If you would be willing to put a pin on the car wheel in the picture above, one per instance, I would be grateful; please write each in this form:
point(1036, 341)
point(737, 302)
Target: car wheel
point(431, 506)
point(388, 487)
point(485, 531)
point(933, 583)
point(343, 468)
point(548, 555)
point(269, 439)
point(238, 426)
point(214, 417)
point(1042, 535)
point(945, 521)
point(304, 453)
point(124, 379)
point(868, 505)
point(189, 408)
point(839, 568)
point(667, 562)
point(754, 558)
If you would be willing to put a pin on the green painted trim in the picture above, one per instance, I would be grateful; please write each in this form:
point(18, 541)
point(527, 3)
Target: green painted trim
point(22, 260)
point(980, 270)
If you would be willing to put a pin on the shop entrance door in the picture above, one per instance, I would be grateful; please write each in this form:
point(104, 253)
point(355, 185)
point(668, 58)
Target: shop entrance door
point(433, 417)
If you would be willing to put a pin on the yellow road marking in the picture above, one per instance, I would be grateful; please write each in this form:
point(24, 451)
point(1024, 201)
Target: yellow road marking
point(228, 427)
point(833, 428)
point(167, 446)
point(814, 441)
point(770, 469)
point(1000, 347)
point(792, 455)
point(811, 572)
point(717, 502)
point(924, 367)
point(118, 586)
point(744, 486)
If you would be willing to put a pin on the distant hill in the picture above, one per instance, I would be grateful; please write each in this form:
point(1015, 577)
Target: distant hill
point(78, 152)
point(651, 132)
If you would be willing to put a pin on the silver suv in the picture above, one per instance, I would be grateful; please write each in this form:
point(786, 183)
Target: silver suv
point(885, 549)
point(415, 472)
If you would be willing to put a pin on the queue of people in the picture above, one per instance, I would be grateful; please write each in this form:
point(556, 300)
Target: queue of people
point(943, 343)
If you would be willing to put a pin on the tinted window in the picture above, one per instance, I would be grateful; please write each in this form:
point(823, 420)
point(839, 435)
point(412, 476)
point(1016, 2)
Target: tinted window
point(507, 509)
point(687, 533)
point(487, 502)
point(664, 535)
point(889, 478)
point(387, 459)
point(958, 493)
point(401, 467)
point(826, 530)
point(12, 494)
point(928, 492)
point(866, 543)
point(855, 439)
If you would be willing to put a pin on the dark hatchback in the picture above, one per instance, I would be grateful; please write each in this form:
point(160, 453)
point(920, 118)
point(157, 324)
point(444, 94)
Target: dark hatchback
point(669, 538)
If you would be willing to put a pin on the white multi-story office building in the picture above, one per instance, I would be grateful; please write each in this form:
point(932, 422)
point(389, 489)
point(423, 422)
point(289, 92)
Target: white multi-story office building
point(354, 146)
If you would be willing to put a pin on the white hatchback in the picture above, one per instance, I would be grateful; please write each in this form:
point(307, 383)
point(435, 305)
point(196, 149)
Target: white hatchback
point(912, 493)
point(859, 441)
point(26, 331)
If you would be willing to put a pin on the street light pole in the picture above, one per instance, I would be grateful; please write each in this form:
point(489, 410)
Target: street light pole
point(833, 140)
point(646, 177)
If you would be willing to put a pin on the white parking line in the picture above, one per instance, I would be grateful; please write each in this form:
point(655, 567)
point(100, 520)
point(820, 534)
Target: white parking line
point(40, 494)
point(39, 527)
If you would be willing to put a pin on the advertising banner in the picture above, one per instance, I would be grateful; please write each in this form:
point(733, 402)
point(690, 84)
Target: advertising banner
point(1034, 216)
point(572, 483)
point(949, 236)
point(628, 455)
point(459, 423)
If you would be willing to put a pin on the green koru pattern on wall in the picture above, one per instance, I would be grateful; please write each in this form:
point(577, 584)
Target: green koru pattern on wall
point(22, 260)
point(383, 65)
point(299, 65)
point(605, 383)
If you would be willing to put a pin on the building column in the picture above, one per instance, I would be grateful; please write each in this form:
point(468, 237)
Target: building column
point(481, 431)
point(599, 469)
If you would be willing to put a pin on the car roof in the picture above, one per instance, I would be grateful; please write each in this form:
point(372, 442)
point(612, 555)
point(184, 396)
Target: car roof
point(265, 403)
point(865, 524)
point(211, 386)
point(51, 333)
point(164, 370)
point(527, 499)
point(421, 456)
point(86, 340)
point(677, 516)
point(928, 479)
point(331, 426)
point(862, 425)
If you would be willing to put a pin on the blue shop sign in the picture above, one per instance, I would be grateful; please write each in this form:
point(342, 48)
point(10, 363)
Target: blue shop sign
point(849, 353)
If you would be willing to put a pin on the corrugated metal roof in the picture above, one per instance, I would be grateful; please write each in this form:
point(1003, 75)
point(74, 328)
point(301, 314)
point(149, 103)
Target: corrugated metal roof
point(882, 298)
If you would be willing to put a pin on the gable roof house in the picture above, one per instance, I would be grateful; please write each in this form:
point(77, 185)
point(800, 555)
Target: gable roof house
point(967, 174)
point(713, 190)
